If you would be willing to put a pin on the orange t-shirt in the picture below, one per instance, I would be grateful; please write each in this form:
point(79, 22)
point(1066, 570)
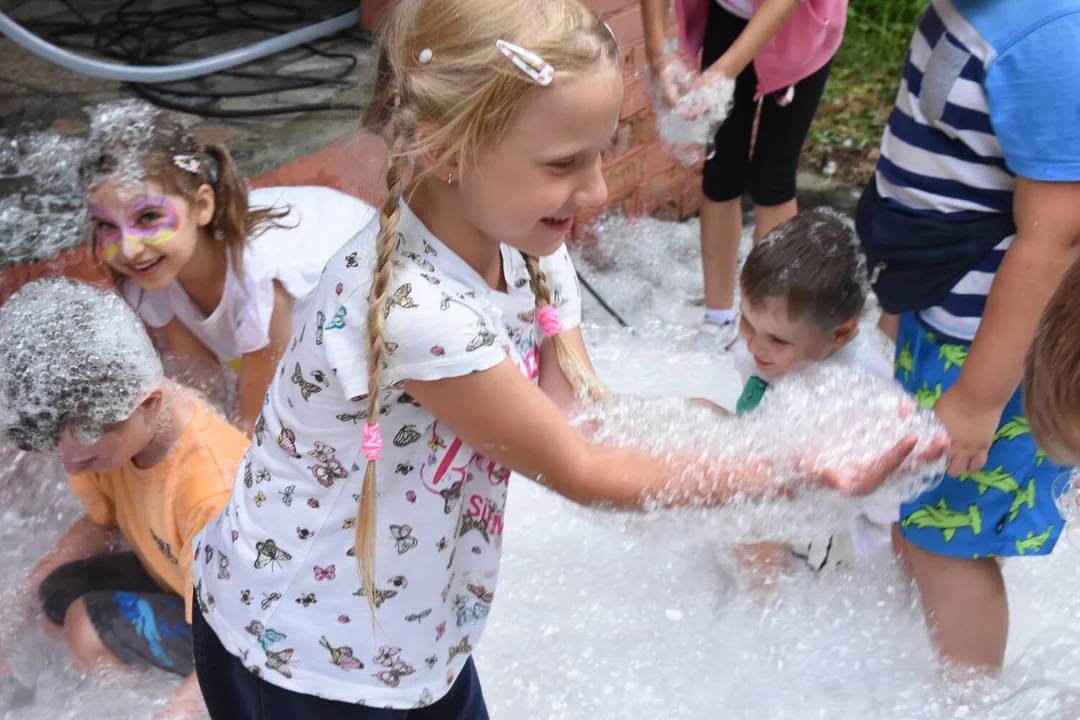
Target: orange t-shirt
point(161, 509)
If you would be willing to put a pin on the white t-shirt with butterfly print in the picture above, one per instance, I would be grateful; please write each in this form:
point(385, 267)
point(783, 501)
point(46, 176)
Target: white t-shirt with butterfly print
point(277, 578)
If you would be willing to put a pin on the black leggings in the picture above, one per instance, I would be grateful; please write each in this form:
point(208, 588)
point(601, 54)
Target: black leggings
point(770, 172)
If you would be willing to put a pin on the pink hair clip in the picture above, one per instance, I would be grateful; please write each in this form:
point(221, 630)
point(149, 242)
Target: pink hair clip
point(529, 62)
point(549, 320)
point(372, 443)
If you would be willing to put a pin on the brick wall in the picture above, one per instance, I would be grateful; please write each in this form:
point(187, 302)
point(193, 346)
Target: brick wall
point(642, 178)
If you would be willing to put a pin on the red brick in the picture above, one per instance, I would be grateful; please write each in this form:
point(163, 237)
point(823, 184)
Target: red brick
point(623, 175)
point(643, 129)
point(620, 144)
point(635, 98)
point(666, 186)
point(610, 7)
point(627, 26)
point(634, 62)
point(656, 160)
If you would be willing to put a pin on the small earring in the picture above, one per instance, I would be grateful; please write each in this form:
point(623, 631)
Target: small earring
point(449, 178)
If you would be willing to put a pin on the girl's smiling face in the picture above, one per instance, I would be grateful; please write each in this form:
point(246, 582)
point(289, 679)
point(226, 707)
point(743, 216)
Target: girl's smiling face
point(144, 233)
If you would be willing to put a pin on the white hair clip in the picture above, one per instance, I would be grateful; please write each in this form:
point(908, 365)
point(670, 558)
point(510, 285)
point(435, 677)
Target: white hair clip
point(425, 56)
point(529, 62)
point(189, 163)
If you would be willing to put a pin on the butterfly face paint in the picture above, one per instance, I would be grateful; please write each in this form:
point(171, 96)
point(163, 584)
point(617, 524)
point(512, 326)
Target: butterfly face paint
point(151, 220)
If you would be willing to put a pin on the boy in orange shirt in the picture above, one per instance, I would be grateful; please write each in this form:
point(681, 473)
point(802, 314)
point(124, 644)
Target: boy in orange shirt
point(80, 380)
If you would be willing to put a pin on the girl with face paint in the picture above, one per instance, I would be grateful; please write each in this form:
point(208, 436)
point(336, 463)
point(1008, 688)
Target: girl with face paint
point(219, 269)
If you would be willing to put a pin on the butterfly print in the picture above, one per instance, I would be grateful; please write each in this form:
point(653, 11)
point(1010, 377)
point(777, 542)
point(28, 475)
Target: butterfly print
point(406, 436)
point(286, 495)
point(353, 417)
point(481, 592)
point(438, 350)
point(474, 614)
point(208, 554)
point(431, 661)
point(444, 304)
point(403, 535)
point(350, 260)
point(235, 534)
point(451, 496)
point(245, 597)
point(260, 429)
point(401, 298)
point(343, 619)
point(326, 474)
point(324, 573)
point(440, 630)
point(304, 533)
point(322, 451)
point(476, 550)
point(417, 617)
point(262, 475)
point(339, 289)
point(428, 250)
point(269, 600)
point(223, 567)
point(247, 475)
point(269, 554)
point(418, 260)
point(266, 636)
point(446, 590)
point(431, 279)
point(338, 321)
point(287, 441)
point(387, 656)
point(392, 677)
point(453, 554)
point(483, 338)
point(307, 389)
point(521, 282)
point(527, 317)
point(259, 499)
point(468, 524)
point(342, 656)
point(407, 399)
point(410, 496)
point(313, 503)
point(462, 648)
point(320, 377)
point(280, 661)
point(307, 600)
point(320, 322)
point(391, 348)
point(380, 596)
point(441, 545)
point(203, 607)
point(349, 524)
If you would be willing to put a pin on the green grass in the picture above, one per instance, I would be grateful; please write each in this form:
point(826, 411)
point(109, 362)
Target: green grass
point(862, 86)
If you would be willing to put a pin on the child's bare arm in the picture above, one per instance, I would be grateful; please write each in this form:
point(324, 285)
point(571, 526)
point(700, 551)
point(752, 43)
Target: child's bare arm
point(257, 371)
point(1047, 242)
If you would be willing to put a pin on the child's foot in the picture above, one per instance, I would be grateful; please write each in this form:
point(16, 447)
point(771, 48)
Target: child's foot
point(716, 337)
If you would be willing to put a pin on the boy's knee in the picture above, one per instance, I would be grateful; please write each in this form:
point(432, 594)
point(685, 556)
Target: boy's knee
point(81, 636)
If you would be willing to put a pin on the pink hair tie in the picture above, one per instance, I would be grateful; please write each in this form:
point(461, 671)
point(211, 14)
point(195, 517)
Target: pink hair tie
point(372, 444)
point(549, 320)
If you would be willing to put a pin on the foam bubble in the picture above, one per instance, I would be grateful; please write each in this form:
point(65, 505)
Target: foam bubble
point(71, 352)
point(121, 132)
point(687, 129)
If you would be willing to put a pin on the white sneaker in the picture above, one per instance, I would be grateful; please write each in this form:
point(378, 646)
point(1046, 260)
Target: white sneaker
point(715, 338)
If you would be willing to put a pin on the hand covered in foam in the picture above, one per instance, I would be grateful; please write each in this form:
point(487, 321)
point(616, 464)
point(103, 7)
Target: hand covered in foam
point(689, 107)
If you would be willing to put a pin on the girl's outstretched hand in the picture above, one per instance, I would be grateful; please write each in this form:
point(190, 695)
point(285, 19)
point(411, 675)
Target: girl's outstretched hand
point(865, 479)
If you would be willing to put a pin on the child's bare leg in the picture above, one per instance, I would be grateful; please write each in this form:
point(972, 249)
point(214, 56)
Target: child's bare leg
point(889, 324)
point(83, 641)
point(965, 604)
point(762, 564)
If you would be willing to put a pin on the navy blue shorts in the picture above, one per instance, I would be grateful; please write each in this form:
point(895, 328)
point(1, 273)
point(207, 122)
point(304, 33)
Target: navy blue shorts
point(232, 692)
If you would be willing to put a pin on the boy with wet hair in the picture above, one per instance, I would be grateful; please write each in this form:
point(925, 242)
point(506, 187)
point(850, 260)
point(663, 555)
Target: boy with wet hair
point(803, 290)
point(80, 380)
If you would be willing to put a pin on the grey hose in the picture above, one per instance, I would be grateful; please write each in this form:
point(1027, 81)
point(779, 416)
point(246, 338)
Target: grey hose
point(170, 73)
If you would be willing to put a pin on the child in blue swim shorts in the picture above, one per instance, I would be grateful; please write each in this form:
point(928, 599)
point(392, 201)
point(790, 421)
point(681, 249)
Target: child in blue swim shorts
point(968, 226)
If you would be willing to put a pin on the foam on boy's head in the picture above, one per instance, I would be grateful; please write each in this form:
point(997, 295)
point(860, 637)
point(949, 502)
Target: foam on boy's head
point(73, 356)
point(812, 261)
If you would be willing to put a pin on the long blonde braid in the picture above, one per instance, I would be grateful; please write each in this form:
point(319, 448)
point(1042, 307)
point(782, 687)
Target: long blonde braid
point(582, 380)
point(397, 163)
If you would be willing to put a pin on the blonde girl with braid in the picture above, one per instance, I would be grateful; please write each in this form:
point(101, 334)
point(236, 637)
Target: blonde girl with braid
point(353, 572)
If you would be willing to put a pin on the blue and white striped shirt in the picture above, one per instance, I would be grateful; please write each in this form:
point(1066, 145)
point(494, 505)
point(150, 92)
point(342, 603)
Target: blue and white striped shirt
point(990, 90)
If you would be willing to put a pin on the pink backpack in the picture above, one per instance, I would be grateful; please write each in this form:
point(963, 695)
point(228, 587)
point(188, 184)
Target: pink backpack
point(802, 47)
